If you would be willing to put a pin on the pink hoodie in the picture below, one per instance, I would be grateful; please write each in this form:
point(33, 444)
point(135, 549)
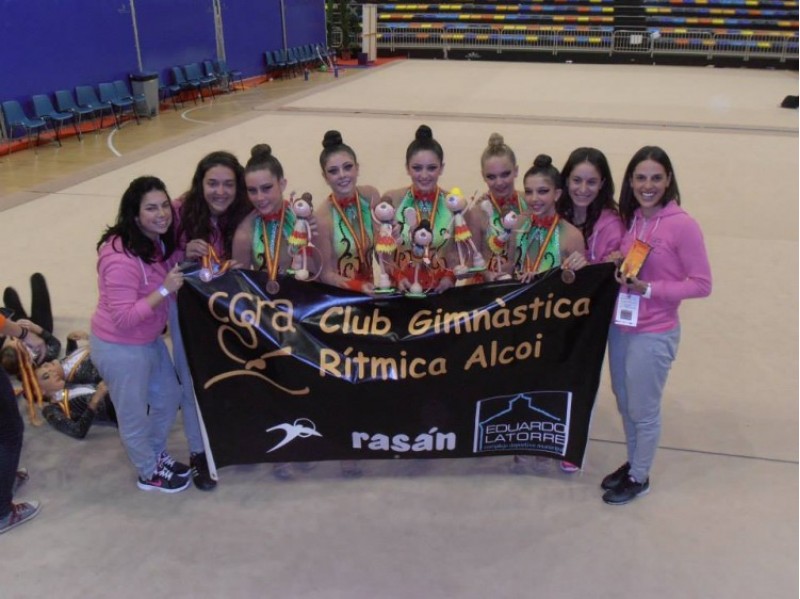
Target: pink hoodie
point(677, 267)
point(124, 282)
point(605, 238)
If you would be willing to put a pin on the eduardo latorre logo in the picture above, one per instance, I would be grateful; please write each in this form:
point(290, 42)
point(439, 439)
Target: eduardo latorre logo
point(299, 429)
point(536, 420)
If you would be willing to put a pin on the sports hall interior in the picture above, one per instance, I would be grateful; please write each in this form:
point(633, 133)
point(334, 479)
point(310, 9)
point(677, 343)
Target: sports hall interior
point(703, 80)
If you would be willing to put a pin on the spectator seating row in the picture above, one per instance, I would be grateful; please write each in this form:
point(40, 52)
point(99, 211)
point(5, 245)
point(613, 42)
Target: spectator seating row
point(754, 16)
point(191, 79)
point(751, 15)
point(292, 61)
point(87, 104)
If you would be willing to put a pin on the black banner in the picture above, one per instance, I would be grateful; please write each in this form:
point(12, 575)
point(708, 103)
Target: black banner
point(318, 373)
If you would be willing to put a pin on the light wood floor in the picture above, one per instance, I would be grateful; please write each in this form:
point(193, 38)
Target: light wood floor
point(721, 519)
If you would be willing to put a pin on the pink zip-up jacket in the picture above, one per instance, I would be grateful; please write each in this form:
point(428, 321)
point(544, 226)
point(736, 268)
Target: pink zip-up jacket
point(677, 266)
point(124, 281)
point(606, 236)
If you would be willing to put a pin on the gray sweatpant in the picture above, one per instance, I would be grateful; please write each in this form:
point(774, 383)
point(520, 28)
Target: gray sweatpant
point(138, 377)
point(640, 363)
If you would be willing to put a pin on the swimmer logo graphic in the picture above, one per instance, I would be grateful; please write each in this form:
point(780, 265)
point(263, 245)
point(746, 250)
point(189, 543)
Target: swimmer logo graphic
point(301, 428)
point(535, 421)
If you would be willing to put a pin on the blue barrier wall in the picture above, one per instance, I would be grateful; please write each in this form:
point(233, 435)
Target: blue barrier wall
point(244, 50)
point(58, 44)
point(303, 23)
point(175, 33)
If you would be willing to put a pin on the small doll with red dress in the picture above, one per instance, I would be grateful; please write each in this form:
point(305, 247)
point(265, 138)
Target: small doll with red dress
point(498, 242)
point(300, 239)
point(421, 239)
point(469, 258)
point(386, 242)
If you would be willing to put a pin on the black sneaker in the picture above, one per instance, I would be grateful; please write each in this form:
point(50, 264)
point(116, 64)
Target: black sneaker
point(627, 491)
point(613, 480)
point(200, 475)
point(164, 480)
point(167, 461)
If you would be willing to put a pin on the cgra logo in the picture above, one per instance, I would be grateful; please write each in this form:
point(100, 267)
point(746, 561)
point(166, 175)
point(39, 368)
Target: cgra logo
point(301, 428)
point(533, 421)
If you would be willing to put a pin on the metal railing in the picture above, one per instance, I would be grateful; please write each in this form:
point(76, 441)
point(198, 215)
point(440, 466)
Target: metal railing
point(555, 39)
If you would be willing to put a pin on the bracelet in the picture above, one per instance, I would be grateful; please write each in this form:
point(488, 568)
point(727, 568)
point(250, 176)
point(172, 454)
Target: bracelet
point(163, 291)
point(24, 333)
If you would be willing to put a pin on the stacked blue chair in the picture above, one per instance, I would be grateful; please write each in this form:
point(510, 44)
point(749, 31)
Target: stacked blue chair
point(87, 98)
point(281, 60)
point(169, 91)
point(271, 64)
point(43, 108)
point(217, 80)
point(231, 75)
point(120, 105)
point(15, 117)
point(195, 75)
point(185, 84)
point(291, 61)
point(139, 100)
point(66, 103)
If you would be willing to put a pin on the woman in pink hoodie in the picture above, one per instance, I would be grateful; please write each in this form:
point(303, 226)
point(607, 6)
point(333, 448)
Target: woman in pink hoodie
point(137, 278)
point(665, 262)
point(588, 203)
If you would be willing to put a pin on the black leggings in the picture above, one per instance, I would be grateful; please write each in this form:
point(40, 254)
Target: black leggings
point(11, 428)
point(41, 311)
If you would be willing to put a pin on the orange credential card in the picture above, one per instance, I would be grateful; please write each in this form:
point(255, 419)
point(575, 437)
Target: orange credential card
point(635, 259)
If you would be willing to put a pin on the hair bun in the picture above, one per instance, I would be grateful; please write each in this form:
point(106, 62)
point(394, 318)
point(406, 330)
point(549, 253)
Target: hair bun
point(423, 133)
point(495, 140)
point(542, 161)
point(332, 139)
point(260, 151)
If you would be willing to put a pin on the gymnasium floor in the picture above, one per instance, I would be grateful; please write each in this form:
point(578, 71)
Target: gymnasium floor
point(721, 519)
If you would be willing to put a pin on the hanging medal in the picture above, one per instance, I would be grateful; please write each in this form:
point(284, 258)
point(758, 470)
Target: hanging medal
point(212, 266)
point(273, 258)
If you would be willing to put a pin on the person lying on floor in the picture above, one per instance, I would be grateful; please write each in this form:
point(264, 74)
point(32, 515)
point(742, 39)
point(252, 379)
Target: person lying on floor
point(75, 380)
point(85, 405)
point(8, 354)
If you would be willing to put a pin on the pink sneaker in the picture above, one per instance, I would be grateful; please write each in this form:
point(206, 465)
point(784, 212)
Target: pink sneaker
point(569, 467)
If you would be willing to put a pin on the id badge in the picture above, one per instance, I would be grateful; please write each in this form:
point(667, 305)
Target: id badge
point(635, 259)
point(627, 314)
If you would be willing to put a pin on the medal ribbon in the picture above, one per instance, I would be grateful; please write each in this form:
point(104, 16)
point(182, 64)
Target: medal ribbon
point(30, 385)
point(361, 241)
point(512, 202)
point(273, 259)
point(212, 262)
point(419, 197)
point(542, 248)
